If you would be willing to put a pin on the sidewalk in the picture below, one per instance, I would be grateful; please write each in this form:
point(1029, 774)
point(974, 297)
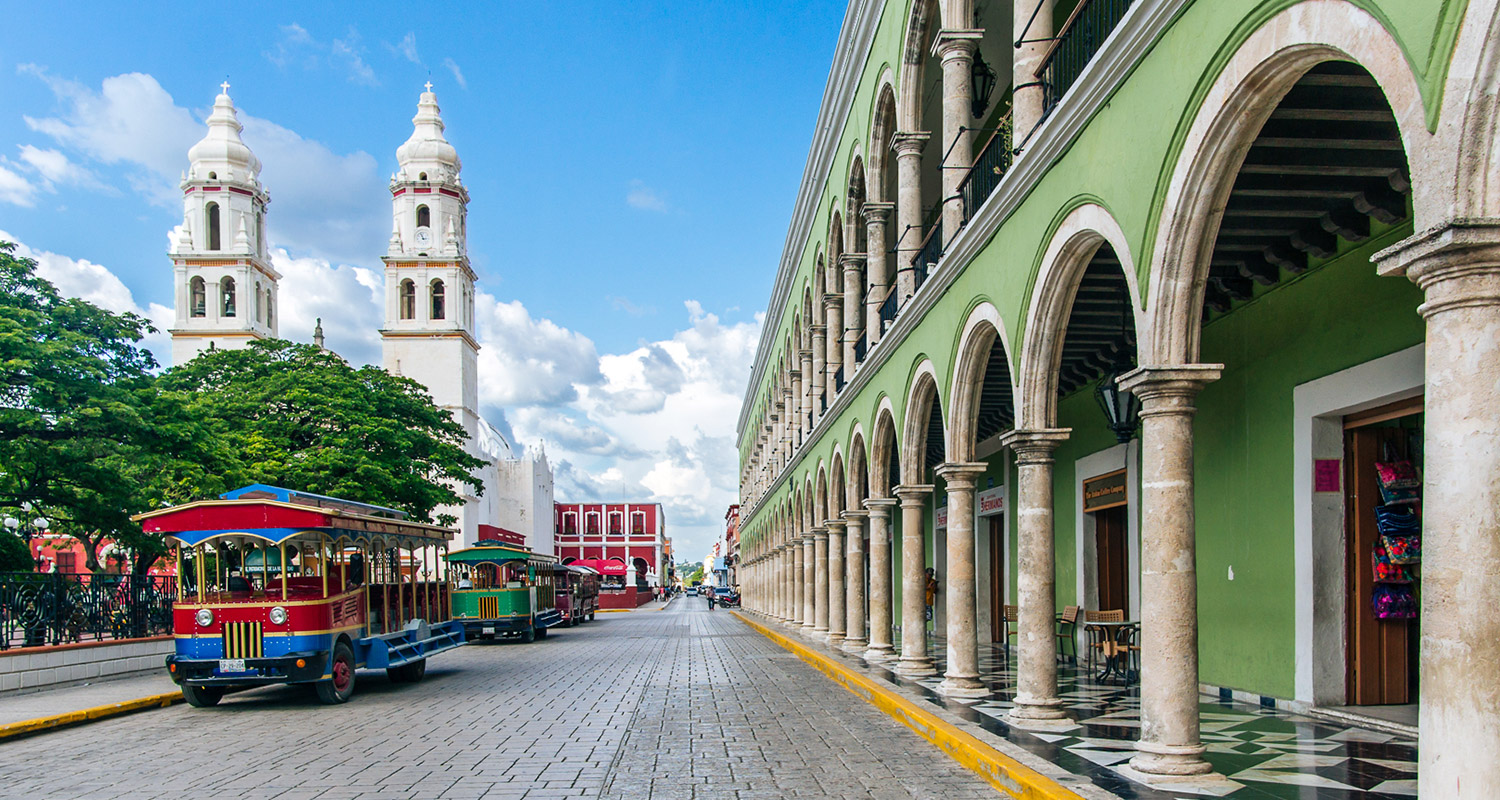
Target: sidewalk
point(22, 705)
point(1262, 753)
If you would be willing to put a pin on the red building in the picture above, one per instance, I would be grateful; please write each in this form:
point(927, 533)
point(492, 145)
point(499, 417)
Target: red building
point(609, 536)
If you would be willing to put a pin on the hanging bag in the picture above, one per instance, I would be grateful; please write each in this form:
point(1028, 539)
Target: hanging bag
point(1400, 483)
point(1385, 570)
point(1394, 602)
point(1400, 533)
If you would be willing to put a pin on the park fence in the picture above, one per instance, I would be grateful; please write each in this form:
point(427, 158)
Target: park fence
point(41, 609)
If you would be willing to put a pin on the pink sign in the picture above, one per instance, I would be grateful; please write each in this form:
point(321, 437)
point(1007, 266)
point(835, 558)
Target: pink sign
point(1328, 475)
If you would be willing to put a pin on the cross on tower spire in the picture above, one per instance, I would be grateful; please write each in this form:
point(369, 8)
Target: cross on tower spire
point(429, 86)
point(225, 86)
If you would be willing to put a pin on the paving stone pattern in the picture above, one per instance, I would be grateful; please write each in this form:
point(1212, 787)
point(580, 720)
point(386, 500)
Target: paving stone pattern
point(648, 704)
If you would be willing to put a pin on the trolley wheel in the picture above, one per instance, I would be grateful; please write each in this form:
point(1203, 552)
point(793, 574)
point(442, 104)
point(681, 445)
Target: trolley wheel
point(529, 635)
point(340, 687)
point(202, 696)
point(407, 673)
point(591, 615)
point(541, 633)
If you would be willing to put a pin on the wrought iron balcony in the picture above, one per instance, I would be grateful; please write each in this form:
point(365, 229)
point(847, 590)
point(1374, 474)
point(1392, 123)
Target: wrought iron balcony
point(861, 347)
point(1080, 38)
point(888, 310)
point(927, 257)
point(991, 165)
point(838, 379)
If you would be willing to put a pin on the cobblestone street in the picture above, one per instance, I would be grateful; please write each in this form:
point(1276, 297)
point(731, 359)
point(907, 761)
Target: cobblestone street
point(634, 705)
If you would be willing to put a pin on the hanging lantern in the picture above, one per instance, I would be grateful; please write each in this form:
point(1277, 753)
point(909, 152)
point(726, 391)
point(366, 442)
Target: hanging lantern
point(982, 81)
point(1122, 409)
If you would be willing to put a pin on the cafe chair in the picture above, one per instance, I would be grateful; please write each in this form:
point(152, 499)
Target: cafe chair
point(1100, 638)
point(1067, 628)
point(1012, 624)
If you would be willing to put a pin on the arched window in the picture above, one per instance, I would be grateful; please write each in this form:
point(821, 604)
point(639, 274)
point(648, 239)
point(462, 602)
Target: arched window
point(270, 320)
point(226, 297)
point(424, 217)
point(421, 176)
point(198, 304)
point(437, 300)
point(408, 299)
point(212, 222)
point(260, 313)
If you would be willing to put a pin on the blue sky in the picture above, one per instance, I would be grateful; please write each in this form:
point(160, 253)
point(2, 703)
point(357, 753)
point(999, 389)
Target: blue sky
point(632, 168)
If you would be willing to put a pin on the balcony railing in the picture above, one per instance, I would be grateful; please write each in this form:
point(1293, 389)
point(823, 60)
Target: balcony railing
point(1080, 38)
point(861, 347)
point(927, 257)
point(888, 311)
point(991, 165)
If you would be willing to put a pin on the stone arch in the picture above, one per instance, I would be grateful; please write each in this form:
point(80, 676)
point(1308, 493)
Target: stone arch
point(1233, 111)
point(856, 470)
point(884, 449)
point(836, 487)
point(820, 495)
point(854, 205)
point(921, 396)
point(835, 251)
point(1475, 98)
point(882, 128)
point(1073, 244)
point(981, 331)
point(924, 20)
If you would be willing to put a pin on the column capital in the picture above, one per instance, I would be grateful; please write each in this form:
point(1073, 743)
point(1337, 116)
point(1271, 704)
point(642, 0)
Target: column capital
point(794, 374)
point(1168, 388)
point(877, 212)
point(1035, 446)
point(908, 143)
point(880, 507)
point(819, 533)
point(831, 299)
point(913, 493)
point(854, 514)
point(832, 524)
point(852, 261)
point(956, 43)
point(1457, 264)
point(961, 474)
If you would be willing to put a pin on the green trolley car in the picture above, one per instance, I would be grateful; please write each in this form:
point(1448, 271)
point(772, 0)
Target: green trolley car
point(500, 589)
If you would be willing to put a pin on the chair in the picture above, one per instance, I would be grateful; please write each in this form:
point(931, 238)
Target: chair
point(1012, 624)
point(1099, 636)
point(1067, 625)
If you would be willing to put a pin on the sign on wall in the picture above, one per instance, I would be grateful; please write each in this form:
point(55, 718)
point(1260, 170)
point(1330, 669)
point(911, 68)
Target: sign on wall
point(1328, 475)
point(1104, 491)
point(941, 517)
point(991, 501)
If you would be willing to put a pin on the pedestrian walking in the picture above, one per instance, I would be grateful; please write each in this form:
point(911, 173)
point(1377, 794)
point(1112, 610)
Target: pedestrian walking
point(931, 591)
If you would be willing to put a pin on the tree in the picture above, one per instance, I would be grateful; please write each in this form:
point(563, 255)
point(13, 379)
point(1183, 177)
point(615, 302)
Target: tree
point(79, 413)
point(15, 556)
point(299, 416)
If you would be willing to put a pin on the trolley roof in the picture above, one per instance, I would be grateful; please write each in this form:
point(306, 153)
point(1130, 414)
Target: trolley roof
point(490, 551)
point(274, 515)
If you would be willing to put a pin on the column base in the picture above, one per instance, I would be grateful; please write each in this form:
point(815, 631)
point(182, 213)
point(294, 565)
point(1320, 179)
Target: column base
point(1168, 759)
point(879, 653)
point(916, 667)
point(808, 628)
point(854, 645)
point(1039, 714)
point(835, 639)
point(962, 686)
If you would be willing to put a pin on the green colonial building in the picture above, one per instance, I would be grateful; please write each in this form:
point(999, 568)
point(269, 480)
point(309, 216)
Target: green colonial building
point(1156, 307)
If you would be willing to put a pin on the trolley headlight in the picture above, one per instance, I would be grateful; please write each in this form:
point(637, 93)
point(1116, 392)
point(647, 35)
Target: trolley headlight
point(278, 616)
point(204, 617)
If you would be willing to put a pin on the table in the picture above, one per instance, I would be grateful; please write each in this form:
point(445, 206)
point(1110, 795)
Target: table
point(1116, 641)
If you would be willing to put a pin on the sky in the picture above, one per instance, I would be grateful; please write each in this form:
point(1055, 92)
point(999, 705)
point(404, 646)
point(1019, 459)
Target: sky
point(632, 169)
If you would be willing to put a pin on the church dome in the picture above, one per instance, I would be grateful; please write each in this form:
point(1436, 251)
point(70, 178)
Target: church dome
point(427, 148)
point(222, 150)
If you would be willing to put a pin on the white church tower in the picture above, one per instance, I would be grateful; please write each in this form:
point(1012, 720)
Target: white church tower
point(225, 286)
point(429, 286)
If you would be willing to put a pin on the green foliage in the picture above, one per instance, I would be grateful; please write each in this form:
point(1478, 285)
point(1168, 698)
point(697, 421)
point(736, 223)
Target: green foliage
point(80, 416)
point(298, 416)
point(14, 555)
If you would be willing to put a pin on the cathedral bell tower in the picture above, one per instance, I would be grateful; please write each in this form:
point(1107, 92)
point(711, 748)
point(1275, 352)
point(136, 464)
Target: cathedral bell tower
point(225, 287)
point(429, 286)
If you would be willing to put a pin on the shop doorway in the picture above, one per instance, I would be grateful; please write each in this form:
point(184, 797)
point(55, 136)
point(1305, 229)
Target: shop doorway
point(997, 580)
point(1382, 657)
point(1112, 558)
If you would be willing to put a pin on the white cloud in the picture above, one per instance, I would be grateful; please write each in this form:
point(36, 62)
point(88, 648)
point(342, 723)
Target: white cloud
point(644, 197)
point(96, 284)
point(458, 74)
point(297, 46)
point(346, 298)
point(347, 52)
point(529, 362)
point(54, 166)
point(16, 189)
point(408, 48)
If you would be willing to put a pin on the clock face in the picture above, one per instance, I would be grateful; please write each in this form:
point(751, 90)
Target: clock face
point(424, 236)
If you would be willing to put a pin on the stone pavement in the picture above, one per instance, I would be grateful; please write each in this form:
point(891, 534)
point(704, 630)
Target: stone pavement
point(20, 705)
point(638, 705)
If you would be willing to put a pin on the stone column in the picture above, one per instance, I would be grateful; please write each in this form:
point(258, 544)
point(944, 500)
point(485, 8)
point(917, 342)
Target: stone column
point(820, 582)
point(809, 583)
point(956, 49)
point(1026, 103)
point(877, 264)
point(914, 660)
point(908, 211)
point(790, 569)
point(796, 408)
point(776, 574)
point(880, 648)
point(854, 581)
point(833, 312)
point(1169, 743)
point(799, 586)
point(835, 581)
point(812, 359)
point(854, 310)
point(961, 678)
point(1457, 266)
point(1036, 667)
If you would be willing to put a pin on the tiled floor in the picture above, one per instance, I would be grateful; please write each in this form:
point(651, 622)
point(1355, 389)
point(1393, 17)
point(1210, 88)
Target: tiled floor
point(1262, 753)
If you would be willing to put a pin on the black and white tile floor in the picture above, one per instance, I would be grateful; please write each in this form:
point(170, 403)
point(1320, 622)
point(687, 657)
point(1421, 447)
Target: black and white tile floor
point(1258, 753)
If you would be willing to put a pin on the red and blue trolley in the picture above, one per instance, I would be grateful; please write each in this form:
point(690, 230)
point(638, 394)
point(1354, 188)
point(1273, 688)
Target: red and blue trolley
point(281, 586)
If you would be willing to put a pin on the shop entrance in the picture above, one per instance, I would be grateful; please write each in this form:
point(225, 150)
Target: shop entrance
point(997, 580)
point(1112, 558)
point(1382, 657)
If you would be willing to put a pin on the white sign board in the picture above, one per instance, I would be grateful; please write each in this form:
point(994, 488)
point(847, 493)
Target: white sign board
point(991, 501)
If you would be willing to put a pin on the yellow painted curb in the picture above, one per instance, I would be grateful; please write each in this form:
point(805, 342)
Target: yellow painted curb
point(613, 610)
point(1009, 776)
point(88, 714)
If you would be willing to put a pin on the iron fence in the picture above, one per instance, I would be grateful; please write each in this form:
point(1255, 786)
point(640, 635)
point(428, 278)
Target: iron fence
point(991, 165)
point(38, 609)
point(927, 257)
point(1081, 37)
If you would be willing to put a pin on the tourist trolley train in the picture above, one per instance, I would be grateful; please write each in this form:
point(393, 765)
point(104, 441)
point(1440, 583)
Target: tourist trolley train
point(577, 594)
point(503, 589)
point(281, 586)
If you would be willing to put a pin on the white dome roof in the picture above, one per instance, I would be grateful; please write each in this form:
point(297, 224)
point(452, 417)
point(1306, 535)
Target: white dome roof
point(222, 149)
point(427, 146)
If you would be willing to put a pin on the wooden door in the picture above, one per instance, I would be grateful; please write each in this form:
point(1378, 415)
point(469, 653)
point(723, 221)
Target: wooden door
point(1380, 667)
point(997, 579)
point(1112, 559)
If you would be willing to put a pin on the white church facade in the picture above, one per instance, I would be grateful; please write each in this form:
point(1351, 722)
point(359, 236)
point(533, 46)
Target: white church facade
point(226, 296)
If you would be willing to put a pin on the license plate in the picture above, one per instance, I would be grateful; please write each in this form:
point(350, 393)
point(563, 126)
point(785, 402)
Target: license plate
point(487, 629)
point(231, 665)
